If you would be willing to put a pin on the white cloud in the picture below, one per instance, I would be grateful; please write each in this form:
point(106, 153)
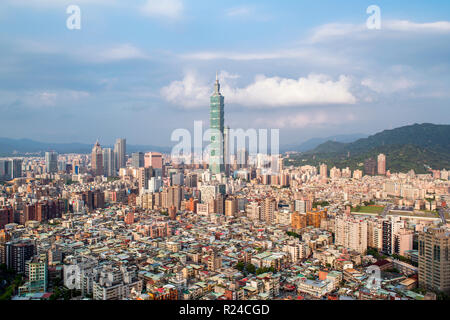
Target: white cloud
point(172, 9)
point(59, 3)
point(306, 55)
point(340, 30)
point(388, 84)
point(43, 98)
point(306, 119)
point(119, 52)
point(188, 93)
point(404, 25)
point(264, 92)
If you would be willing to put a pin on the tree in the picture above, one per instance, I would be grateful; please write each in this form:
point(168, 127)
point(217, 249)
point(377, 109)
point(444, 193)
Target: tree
point(240, 266)
point(250, 268)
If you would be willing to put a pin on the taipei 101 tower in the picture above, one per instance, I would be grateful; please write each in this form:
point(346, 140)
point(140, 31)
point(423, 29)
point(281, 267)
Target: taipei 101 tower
point(216, 159)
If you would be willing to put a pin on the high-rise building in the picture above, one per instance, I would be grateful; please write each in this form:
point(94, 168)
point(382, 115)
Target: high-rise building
point(18, 253)
point(381, 164)
point(97, 160)
point(120, 149)
point(4, 169)
point(216, 159)
point(351, 233)
point(323, 170)
point(144, 175)
point(268, 210)
point(370, 167)
point(434, 259)
point(137, 160)
point(230, 207)
point(36, 271)
point(242, 158)
point(15, 168)
point(51, 162)
point(154, 160)
point(174, 197)
point(109, 163)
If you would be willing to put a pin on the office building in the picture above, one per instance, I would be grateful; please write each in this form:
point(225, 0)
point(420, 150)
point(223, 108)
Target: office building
point(370, 167)
point(109, 163)
point(51, 162)
point(154, 160)
point(137, 160)
point(97, 160)
point(120, 150)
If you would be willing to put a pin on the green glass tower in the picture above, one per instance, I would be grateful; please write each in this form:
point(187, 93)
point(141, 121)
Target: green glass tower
point(216, 159)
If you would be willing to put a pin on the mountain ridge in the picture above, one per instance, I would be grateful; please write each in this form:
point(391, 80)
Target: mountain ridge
point(418, 147)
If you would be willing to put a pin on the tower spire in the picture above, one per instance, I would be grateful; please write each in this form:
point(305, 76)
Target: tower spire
point(217, 85)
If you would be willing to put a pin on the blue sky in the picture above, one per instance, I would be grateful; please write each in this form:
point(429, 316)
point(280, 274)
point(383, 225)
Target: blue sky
point(140, 69)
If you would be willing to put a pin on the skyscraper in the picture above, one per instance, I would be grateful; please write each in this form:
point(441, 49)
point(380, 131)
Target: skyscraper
point(323, 170)
point(97, 160)
point(216, 160)
point(137, 160)
point(109, 163)
point(381, 164)
point(370, 167)
point(120, 149)
point(16, 168)
point(154, 160)
point(51, 162)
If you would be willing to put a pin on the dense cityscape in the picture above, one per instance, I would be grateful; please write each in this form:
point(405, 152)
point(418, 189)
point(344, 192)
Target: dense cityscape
point(144, 226)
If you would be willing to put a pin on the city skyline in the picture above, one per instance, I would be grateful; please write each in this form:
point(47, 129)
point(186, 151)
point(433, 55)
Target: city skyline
point(272, 66)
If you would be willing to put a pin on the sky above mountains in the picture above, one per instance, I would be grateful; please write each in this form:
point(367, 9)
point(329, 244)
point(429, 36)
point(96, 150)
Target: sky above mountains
point(140, 69)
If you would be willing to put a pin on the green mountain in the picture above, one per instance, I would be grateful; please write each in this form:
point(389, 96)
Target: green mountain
point(418, 147)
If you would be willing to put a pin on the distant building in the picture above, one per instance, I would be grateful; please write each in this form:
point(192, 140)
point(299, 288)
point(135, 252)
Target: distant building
point(381, 164)
point(120, 149)
point(109, 163)
point(370, 167)
point(154, 160)
point(323, 170)
point(97, 160)
point(137, 160)
point(51, 162)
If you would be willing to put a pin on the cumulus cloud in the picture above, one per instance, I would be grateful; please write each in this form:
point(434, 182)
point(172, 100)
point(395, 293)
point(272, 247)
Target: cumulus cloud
point(264, 92)
point(172, 9)
point(187, 93)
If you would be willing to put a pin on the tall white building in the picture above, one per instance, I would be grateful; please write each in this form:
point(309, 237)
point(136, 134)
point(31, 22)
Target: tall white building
point(109, 163)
